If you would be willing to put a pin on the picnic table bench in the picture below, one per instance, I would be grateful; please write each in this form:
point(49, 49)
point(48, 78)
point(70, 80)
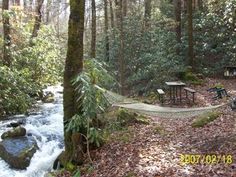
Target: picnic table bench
point(230, 71)
point(161, 94)
point(189, 90)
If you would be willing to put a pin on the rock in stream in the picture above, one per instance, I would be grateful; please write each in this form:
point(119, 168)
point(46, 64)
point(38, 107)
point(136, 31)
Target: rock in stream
point(17, 152)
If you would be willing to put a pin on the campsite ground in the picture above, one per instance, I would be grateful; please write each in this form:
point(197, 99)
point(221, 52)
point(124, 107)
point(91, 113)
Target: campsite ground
point(155, 150)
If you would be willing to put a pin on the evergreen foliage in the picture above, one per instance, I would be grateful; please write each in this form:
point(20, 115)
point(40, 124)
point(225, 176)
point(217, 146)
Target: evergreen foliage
point(34, 65)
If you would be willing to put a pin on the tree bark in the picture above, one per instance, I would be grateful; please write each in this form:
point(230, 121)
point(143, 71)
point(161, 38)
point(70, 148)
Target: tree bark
point(177, 5)
point(111, 14)
point(121, 47)
point(93, 30)
point(190, 34)
point(6, 34)
point(125, 7)
point(73, 67)
point(116, 12)
point(38, 19)
point(106, 31)
point(147, 13)
point(17, 3)
point(48, 9)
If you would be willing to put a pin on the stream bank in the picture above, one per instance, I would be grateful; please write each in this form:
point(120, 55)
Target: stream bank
point(46, 127)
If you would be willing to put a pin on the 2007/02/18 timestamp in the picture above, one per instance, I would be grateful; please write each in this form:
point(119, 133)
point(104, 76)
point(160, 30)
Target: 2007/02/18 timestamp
point(210, 159)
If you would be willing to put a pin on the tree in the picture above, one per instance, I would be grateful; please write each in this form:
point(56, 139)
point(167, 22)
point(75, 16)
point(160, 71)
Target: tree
point(147, 13)
point(177, 5)
point(111, 14)
point(93, 40)
point(106, 31)
point(125, 6)
point(48, 9)
point(121, 46)
point(38, 19)
point(73, 67)
point(17, 2)
point(190, 33)
point(6, 33)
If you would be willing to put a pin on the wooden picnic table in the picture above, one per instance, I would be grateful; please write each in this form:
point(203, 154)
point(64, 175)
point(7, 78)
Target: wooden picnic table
point(175, 90)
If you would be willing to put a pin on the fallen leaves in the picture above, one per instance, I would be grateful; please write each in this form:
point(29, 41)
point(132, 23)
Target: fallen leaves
point(154, 150)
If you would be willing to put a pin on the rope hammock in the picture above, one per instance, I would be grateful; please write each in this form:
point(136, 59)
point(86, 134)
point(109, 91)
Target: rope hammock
point(154, 110)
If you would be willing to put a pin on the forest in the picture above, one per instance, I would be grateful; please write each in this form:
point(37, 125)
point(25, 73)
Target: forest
point(118, 88)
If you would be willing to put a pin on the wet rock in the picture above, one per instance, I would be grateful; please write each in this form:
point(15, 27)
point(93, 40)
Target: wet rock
point(16, 132)
point(48, 97)
point(16, 124)
point(17, 152)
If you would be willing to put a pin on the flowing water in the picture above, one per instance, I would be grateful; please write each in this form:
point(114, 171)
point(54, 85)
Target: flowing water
point(47, 128)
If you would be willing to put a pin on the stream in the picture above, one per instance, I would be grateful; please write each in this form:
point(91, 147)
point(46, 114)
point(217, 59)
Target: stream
point(46, 126)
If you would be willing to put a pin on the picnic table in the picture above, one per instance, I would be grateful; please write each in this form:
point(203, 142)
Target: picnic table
point(175, 90)
point(230, 71)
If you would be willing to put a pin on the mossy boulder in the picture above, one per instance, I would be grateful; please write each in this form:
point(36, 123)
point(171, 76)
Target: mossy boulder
point(204, 119)
point(16, 132)
point(126, 117)
point(17, 152)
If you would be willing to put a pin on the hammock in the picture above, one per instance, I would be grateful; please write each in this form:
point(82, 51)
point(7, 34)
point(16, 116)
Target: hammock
point(154, 110)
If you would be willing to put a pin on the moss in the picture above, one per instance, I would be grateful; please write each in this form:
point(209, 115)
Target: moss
point(124, 136)
point(70, 167)
point(189, 76)
point(64, 158)
point(158, 129)
point(141, 119)
point(130, 174)
point(202, 120)
point(218, 85)
point(197, 82)
point(126, 117)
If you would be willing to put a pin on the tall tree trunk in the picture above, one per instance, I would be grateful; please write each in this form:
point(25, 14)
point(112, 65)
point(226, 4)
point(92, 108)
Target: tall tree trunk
point(185, 6)
point(38, 19)
point(147, 13)
point(48, 9)
point(193, 5)
point(106, 31)
point(116, 12)
point(111, 14)
point(125, 8)
point(17, 3)
point(190, 34)
point(121, 48)
point(177, 5)
point(93, 40)
point(73, 67)
point(6, 33)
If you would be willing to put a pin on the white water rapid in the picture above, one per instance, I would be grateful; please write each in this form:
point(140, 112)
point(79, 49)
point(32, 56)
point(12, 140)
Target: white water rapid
point(47, 128)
